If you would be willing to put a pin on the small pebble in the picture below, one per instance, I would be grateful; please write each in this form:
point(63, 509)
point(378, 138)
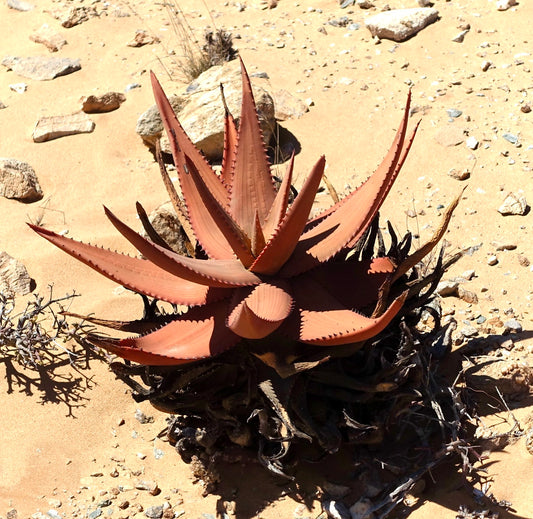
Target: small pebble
point(459, 175)
point(459, 38)
point(512, 326)
point(131, 86)
point(509, 137)
point(469, 331)
point(504, 245)
point(492, 260)
point(523, 260)
point(150, 486)
point(19, 88)
point(472, 142)
point(466, 295)
point(513, 205)
point(503, 5)
point(154, 512)
point(453, 112)
point(142, 418)
point(486, 65)
point(447, 288)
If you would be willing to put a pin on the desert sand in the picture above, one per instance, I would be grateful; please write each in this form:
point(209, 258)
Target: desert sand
point(72, 454)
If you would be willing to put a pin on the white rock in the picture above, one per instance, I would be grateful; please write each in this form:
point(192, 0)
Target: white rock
point(14, 278)
point(19, 5)
point(19, 181)
point(48, 128)
point(472, 142)
point(41, 68)
point(503, 5)
point(202, 116)
point(400, 24)
point(513, 205)
point(19, 88)
point(288, 106)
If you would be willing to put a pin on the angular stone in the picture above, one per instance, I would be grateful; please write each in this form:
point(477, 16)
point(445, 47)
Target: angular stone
point(202, 117)
point(464, 174)
point(503, 5)
point(513, 205)
point(19, 5)
point(523, 260)
point(103, 103)
point(48, 128)
point(52, 40)
point(19, 181)
point(75, 15)
point(14, 278)
point(150, 486)
point(472, 143)
point(447, 288)
point(41, 68)
point(400, 24)
point(166, 224)
point(19, 88)
point(288, 106)
point(512, 326)
point(467, 295)
point(2, 105)
point(142, 38)
point(149, 125)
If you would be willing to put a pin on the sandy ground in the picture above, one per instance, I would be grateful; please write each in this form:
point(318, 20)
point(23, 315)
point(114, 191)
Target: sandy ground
point(53, 451)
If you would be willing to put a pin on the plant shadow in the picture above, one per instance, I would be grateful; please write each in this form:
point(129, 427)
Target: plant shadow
point(34, 359)
point(375, 474)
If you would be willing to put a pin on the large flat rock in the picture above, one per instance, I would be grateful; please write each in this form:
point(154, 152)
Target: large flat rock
point(41, 68)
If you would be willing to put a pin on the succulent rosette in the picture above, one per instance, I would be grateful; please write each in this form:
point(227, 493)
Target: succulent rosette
point(264, 265)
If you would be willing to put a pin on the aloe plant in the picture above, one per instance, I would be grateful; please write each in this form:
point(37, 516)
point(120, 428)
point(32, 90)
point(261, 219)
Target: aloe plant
point(270, 268)
point(287, 334)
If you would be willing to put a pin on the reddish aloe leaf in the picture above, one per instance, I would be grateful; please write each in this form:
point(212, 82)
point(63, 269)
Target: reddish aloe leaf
point(408, 142)
point(355, 285)
point(325, 321)
point(282, 244)
point(215, 273)
point(260, 310)
point(179, 141)
point(232, 234)
point(230, 142)
point(207, 232)
point(198, 334)
point(251, 183)
point(348, 220)
point(136, 274)
point(279, 206)
point(177, 202)
point(149, 228)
